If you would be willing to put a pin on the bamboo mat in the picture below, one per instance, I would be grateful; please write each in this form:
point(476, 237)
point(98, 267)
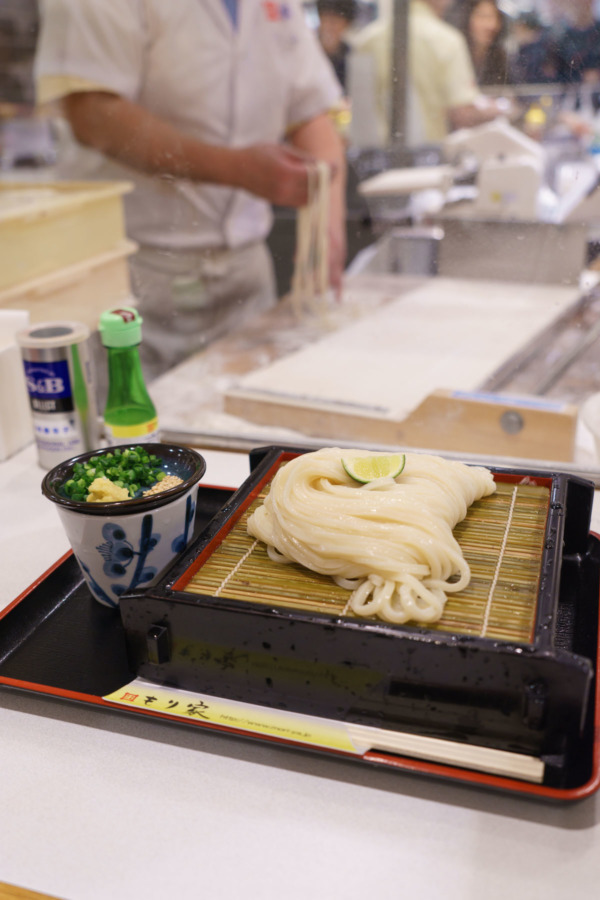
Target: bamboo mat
point(502, 539)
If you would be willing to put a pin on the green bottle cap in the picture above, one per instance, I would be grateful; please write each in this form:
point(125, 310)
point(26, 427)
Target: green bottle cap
point(120, 327)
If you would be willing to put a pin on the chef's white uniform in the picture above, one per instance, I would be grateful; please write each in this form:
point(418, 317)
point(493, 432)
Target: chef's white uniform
point(186, 62)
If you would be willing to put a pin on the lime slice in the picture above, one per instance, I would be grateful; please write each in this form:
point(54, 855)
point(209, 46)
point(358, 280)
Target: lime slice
point(368, 468)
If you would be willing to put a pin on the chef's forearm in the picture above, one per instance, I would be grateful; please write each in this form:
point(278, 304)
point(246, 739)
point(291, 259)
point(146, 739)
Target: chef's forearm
point(320, 139)
point(471, 114)
point(126, 132)
point(131, 135)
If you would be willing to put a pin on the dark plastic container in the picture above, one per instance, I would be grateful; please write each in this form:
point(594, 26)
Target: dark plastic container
point(532, 698)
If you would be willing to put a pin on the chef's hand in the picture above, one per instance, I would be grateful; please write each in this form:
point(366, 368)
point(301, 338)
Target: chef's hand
point(279, 173)
point(276, 172)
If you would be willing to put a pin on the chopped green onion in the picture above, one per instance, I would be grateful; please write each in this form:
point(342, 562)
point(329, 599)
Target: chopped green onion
point(131, 468)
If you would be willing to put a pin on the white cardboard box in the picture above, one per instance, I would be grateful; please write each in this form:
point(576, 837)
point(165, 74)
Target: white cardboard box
point(16, 429)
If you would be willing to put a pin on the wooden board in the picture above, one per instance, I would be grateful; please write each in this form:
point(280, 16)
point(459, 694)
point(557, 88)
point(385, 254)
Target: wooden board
point(370, 380)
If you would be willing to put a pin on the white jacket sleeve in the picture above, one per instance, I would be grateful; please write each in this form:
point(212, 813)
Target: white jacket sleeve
point(314, 85)
point(96, 41)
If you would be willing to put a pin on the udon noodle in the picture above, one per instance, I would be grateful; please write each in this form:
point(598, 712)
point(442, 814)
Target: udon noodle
point(389, 541)
point(310, 279)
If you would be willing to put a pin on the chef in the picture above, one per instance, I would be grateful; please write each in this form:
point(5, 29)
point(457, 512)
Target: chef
point(212, 108)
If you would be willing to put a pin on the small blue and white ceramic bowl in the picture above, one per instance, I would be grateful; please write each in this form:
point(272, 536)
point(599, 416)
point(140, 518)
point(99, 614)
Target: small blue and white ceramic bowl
point(127, 544)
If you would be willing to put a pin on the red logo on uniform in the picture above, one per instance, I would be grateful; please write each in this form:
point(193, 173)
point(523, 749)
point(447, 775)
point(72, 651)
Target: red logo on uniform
point(276, 12)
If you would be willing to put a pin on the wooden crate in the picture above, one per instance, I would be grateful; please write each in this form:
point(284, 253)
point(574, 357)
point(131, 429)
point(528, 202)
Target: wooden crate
point(79, 292)
point(47, 226)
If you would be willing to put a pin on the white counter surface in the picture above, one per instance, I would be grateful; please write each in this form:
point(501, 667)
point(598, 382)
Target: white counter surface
point(97, 805)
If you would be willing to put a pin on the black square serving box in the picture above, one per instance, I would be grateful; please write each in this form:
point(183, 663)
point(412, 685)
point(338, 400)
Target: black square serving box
point(532, 697)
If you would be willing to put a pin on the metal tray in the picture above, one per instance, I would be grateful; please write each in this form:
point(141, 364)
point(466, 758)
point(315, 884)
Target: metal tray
point(57, 642)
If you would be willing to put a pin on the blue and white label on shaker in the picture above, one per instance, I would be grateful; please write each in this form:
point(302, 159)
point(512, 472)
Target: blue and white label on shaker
point(49, 386)
point(56, 421)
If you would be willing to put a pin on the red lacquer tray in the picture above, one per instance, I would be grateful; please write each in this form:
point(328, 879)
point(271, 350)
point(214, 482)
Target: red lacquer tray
point(57, 642)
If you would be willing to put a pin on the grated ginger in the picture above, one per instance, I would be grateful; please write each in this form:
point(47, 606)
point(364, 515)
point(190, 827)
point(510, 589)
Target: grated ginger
point(103, 490)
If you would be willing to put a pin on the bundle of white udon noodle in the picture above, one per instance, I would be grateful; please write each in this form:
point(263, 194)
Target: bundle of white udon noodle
point(389, 541)
point(310, 279)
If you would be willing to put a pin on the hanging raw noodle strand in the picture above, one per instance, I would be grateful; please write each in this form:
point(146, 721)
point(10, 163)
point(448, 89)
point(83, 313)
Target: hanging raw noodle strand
point(389, 541)
point(310, 281)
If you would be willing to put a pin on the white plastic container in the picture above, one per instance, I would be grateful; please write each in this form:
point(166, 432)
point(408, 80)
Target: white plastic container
point(16, 430)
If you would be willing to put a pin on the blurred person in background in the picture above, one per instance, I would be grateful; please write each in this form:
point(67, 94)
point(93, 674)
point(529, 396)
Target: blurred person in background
point(443, 90)
point(335, 19)
point(213, 110)
point(483, 26)
point(442, 73)
point(576, 43)
point(533, 61)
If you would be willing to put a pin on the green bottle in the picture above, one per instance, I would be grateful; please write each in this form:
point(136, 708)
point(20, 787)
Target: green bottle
point(130, 414)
